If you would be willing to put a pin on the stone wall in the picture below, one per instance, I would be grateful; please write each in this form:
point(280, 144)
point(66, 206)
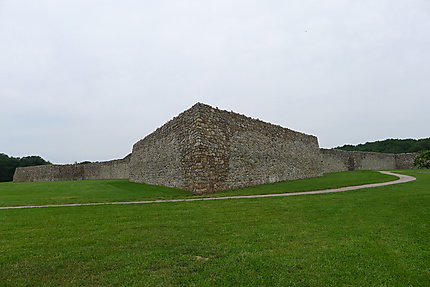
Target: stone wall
point(338, 160)
point(157, 158)
point(405, 160)
point(49, 173)
point(204, 150)
point(114, 169)
point(334, 160)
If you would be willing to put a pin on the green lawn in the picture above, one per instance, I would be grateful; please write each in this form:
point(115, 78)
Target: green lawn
point(370, 237)
point(83, 191)
point(328, 180)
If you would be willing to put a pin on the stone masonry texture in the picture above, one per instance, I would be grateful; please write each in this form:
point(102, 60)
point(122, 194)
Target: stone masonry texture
point(338, 160)
point(114, 169)
point(204, 150)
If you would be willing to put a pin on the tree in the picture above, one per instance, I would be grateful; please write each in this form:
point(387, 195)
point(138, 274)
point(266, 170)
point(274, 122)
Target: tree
point(83, 162)
point(391, 146)
point(423, 160)
point(32, 161)
point(7, 167)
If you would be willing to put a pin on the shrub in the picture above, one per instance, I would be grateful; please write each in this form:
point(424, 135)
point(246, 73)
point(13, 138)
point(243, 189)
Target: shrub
point(423, 160)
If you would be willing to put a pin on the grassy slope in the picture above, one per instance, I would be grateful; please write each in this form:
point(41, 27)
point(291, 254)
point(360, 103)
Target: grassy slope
point(370, 237)
point(38, 193)
point(57, 192)
point(328, 180)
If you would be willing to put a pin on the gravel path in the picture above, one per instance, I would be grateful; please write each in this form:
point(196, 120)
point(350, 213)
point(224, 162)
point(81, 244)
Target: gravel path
point(402, 179)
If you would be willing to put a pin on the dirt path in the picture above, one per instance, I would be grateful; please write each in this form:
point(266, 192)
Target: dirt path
point(402, 179)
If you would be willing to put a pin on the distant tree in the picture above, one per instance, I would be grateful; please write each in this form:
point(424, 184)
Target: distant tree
point(82, 162)
point(391, 146)
point(7, 167)
point(32, 161)
point(423, 160)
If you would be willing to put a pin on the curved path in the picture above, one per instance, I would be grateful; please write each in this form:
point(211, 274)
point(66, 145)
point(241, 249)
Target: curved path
point(402, 178)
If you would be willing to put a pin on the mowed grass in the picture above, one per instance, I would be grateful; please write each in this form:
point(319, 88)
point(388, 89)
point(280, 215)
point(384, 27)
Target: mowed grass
point(83, 191)
point(369, 237)
point(86, 191)
point(327, 181)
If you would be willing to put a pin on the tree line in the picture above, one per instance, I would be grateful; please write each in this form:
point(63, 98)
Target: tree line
point(391, 146)
point(9, 164)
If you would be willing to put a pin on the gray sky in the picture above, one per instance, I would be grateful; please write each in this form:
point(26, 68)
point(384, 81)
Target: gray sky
point(84, 80)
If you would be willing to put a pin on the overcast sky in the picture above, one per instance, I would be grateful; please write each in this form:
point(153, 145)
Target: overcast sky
point(86, 79)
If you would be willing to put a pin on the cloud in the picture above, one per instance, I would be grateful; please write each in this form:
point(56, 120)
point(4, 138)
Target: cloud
point(84, 80)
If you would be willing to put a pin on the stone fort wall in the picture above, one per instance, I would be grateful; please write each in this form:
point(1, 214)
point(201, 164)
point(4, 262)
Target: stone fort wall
point(205, 150)
point(114, 169)
point(338, 160)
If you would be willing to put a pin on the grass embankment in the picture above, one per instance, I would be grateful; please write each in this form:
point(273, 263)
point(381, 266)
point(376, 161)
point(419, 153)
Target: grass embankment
point(327, 181)
point(63, 192)
point(369, 237)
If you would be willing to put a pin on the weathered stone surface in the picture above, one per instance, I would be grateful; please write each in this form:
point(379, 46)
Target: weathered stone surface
point(114, 169)
point(206, 150)
point(405, 160)
point(339, 160)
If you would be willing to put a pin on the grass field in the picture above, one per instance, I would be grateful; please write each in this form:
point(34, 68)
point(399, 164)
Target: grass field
point(370, 237)
point(83, 191)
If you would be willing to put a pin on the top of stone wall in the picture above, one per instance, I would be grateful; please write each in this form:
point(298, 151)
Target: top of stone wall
point(199, 110)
